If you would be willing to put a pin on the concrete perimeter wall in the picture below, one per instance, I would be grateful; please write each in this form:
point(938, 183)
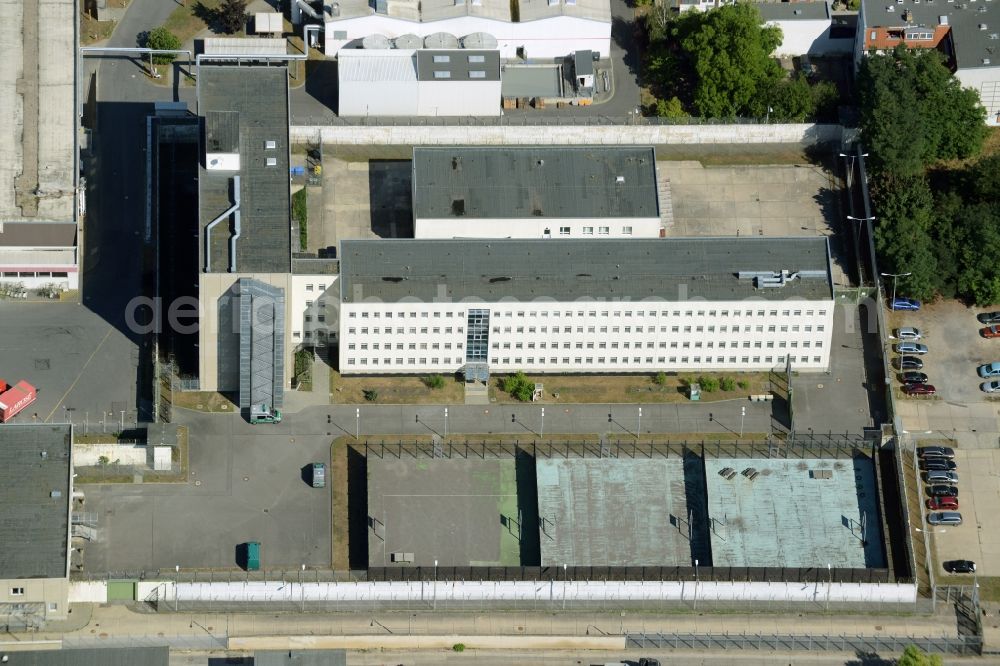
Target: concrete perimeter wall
point(483, 135)
point(443, 592)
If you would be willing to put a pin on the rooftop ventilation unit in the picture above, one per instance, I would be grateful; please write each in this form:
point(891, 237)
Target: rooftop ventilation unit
point(620, 180)
point(270, 145)
point(982, 26)
point(272, 161)
point(890, 9)
point(986, 61)
point(942, 20)
point(774, 279)
point(994, 35)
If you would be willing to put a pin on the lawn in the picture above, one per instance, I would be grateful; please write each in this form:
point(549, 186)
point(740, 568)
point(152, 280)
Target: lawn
point(340, 534)
point(192, 18)
point(630, 388)
point(204, 401)
point(395, 390)
point(92, 31)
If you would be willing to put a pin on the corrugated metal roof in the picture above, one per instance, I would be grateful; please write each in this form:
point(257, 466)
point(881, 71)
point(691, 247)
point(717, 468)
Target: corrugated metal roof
point(361, 65)
point(245, 45)
point(137, 656)
point(668, 269)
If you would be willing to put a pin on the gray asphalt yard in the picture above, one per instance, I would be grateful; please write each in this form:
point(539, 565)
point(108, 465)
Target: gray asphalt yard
point(247, 483)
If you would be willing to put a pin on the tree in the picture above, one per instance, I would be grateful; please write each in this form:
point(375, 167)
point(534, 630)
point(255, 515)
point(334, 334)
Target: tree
point(914, 656)
point(979, 272)
point(903, 236)
point(915, 112)
point(161, 38)
point(518, 386)
point(232, 15)
point(434, 381)
point(670, 108)
point(729, 52)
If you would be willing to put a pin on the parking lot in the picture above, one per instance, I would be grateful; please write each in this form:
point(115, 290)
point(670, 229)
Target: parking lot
point(978, 537)
point(247, 483)
point(83, 367)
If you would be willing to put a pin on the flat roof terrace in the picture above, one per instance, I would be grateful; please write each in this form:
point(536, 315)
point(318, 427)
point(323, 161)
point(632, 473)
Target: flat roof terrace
point(798, 513)
point(620, 512)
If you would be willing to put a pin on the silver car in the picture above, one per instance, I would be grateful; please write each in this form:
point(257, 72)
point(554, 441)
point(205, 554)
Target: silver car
point(941, 476)
point(908, 333)
point(944, 518)
point(990, 387)
point(910, 348)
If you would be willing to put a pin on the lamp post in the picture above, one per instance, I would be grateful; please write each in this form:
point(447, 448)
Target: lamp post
point(357, 423)
point(696, 585)
point(445, 421)
point(435, 584)
point(829, 571)
point(857, 241)
point(541, 430)
point(743, 413)
point(638, 428)
point(894, 276)
point(850, 166)
point(564, 586)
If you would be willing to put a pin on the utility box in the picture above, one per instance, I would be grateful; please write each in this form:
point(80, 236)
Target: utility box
point(694, 391)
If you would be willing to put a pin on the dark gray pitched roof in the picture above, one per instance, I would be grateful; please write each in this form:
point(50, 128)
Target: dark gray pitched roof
point(34, 526)
point(138, 656)
point(254, 102)
point(534, 181)
point(38, 234)
point(566, 270)
point(794, 11)
point(458, 65)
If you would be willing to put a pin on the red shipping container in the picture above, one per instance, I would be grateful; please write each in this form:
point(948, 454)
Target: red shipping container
point(16, 398)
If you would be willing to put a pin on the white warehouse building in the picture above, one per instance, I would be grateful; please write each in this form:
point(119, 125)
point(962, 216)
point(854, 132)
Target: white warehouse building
point(520, 28)
point(584, 306)
point(535, 192)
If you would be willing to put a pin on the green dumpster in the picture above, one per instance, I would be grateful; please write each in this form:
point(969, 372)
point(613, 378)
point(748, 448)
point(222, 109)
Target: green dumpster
point(253, 556)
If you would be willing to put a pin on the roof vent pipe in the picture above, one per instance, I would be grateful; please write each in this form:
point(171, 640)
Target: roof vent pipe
point(232, 241)
point(208, 229)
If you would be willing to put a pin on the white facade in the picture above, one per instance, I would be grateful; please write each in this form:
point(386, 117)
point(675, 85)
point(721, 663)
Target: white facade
point(550, 37)
point(537, 227)
point(37, 267)
point(589, 336)
point(312, 309)
point(809, 37)
point(985, 81)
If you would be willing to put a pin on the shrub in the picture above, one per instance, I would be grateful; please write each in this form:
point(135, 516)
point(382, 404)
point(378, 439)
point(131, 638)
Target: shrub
point(301, 213)
point(371, 395)
point(232, 15)
point(103, 460)
point(660, 379)
point(434, 381)
point(161, 38)
point(728, 384)
point(458, 647)
point(743, 384)
point(708, 384)
point(518, 386)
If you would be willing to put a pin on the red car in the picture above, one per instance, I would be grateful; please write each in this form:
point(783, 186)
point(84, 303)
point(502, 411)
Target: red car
point(943, 504)
point(990, 332)
point(919, 389)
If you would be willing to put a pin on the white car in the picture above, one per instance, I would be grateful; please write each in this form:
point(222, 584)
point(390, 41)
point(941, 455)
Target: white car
point(908, 333)
point(991, 387)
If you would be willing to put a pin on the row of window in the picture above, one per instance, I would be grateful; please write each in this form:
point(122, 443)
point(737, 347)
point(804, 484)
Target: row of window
point(600, 360)
point(399, 345)
point(734, 344)
point(399, 331)
point(772, 328)
point(31, 274)
point(310, 287)
point(589, 231)
point(605, 313)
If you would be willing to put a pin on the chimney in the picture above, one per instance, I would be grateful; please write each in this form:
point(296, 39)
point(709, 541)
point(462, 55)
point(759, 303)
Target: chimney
point(942, 20)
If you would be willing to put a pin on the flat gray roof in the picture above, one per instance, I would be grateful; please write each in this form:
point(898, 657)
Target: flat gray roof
point(37, 234)
point(254, 105)
point(300, 658)
point(617, 512)
point(135, 656)
point(793, 11)
point(534, 181)
point(534, 81)
point(458, 65)
point(34, 526)
point(791, 515)
point(668, 269)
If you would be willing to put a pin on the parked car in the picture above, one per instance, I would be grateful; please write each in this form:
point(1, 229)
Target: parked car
point(989, 318)
point(941, 476)
point(944, 518)
point(942, 451)
point(990, 332)
point(919, 389)
point(319, 475)
point(989, 370)
point(934, 463)
point(942, 491)
point(908, 333)
point(990, 387)
point(649, 661)
point(914, 378)
point(901, 303)
point(943, 504)
point(908, 363)
point(959, 566)
point(910, 348)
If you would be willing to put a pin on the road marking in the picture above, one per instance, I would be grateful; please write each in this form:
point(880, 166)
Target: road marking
point(73, 385)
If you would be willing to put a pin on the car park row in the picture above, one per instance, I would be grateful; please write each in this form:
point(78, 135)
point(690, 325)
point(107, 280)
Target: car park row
point(937, 464)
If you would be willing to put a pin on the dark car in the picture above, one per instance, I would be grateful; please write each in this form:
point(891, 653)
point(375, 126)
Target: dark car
point(914, 378)
point(649, 661)
point(934, 463)
point(959, 566)
point(943, 451)
point(919, 389)
point(901, 303)
point(909, 363)
point(989, 318)
point(942, 490)
point(943, 504)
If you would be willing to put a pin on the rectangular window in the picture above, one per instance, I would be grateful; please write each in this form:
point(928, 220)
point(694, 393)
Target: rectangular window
point(477, 58)
point(442, 58)
point(627, 231)
point(17, 591)
point(603, 231)
point(564, 231)
point(588, 231)
point(477, 74)
point(442, 74)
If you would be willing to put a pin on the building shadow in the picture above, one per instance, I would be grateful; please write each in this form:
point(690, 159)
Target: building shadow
point(527, 509)
point(696, 496)
point(357, 509)
point(390, 198)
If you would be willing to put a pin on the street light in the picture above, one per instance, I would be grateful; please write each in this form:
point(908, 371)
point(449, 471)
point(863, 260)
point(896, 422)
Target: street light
point(850, 167)
point(445, 421)
point(829, 571)
point(357, 423)
point(435, 584)
point(857, 241)
point(541, 431)
point(743, 413)
point(696, 585)
point(638, 429)
point(894, 276)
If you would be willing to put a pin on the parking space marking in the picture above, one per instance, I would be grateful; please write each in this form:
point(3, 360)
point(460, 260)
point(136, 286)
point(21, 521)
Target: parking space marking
point(80, 374)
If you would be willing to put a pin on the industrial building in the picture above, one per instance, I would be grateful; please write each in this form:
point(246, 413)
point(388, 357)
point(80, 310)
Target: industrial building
point(966, 34)
point(251, 289)
point(536, 29)
point(35, 502)
point(603, 306)
point(39, 206)
point(536, 192)
point(424, 82)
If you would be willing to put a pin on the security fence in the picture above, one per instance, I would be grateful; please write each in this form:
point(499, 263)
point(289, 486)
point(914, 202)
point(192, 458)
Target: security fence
point(960, 645)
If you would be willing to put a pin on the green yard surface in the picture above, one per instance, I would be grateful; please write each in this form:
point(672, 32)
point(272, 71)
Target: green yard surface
point(631, 388)
point(394, 390)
